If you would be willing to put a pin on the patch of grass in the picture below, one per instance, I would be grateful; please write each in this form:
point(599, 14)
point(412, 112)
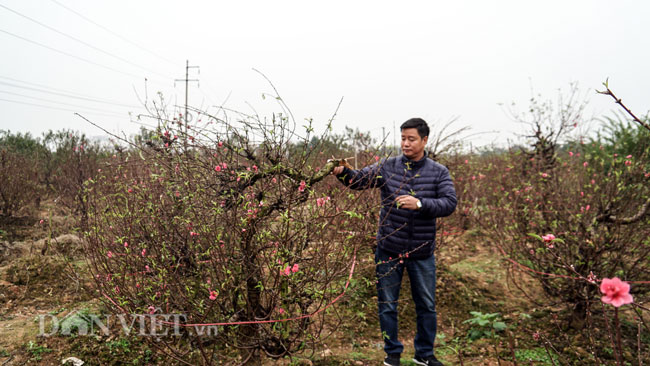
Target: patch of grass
point(358, 356)
point(121, 345)
point(37, 350)
point(537, 354)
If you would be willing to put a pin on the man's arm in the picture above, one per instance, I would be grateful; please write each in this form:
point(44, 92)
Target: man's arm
point(445, 204)
point(367, 177)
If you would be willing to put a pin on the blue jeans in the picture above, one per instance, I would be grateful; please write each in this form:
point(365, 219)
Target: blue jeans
point(422, 274)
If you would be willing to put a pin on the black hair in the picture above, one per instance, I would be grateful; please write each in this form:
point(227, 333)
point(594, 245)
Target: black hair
point(419, 123)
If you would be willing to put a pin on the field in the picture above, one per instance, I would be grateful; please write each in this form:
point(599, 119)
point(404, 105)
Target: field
point(246, 228)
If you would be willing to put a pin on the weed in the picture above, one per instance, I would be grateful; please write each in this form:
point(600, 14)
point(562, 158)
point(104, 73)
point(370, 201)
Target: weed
point(538, 354)
point(484, 325)
point(37, 350)
point(121, 344)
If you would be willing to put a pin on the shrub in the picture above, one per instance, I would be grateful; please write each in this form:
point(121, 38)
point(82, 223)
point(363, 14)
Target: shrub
point(224, 230)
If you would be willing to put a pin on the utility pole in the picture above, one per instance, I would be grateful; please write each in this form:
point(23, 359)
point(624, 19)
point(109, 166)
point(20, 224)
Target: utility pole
point(394, 141)
point(383, 140)
point(187, 80)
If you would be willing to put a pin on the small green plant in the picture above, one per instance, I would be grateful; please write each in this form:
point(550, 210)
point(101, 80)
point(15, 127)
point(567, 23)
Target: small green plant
point(4, 353)
point(537, 355)
point(484, 325)
point(121, 344)
point(37, 350)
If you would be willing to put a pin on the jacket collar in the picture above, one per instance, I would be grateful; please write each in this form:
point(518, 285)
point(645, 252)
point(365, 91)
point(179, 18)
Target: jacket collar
point(415, 164)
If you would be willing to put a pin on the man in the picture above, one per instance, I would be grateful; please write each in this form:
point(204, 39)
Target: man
point(415, 190)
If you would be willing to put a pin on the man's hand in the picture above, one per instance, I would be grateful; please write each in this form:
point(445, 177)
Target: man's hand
point(343, 163)
point(407, 202)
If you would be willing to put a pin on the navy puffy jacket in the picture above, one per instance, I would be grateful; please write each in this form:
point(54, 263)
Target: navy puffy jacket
point(404, 231)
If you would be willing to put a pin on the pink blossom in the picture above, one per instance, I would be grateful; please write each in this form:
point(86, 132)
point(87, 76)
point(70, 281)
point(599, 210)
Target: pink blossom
point(286, 271)
point(109, 254)
point(41, 222)
point(151, 309)
point(192, 233)
point(592, 277)
point(548, 238)
point(321, 201)
point(301, 188)
point(628, 162)
point(146, 268)
point(628, 157)
point(280, 310)
point(274, 180)
point(224, 165)
point(213, 295)
point(220, 144)
point(616, 292)
point(130, 190)
point(144, 252)
point(466, 161)
point(126, 244)
point(177, 194)
point(255, 168)
point(544, 175)
point(585, 164)
point(217, 168)
point(295, 268)
point(376, 158)
point(570, 153)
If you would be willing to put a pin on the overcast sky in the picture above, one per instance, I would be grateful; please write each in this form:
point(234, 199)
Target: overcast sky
point(389, 61)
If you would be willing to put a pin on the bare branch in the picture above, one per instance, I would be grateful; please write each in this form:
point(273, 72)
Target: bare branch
point(620, 102)
point(626, 220)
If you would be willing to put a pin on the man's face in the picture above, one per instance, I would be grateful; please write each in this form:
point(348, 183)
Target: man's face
point(412, 144)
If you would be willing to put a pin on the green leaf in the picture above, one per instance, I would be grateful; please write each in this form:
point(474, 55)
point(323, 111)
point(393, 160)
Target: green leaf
point(499, 326)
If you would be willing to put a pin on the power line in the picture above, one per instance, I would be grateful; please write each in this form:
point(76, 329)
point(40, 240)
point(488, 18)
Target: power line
point(80, 41)
point(57, 108)
point(64, 93)
point(113, 33)
point(68, 95)
point(69, 54)
point(57, 102)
